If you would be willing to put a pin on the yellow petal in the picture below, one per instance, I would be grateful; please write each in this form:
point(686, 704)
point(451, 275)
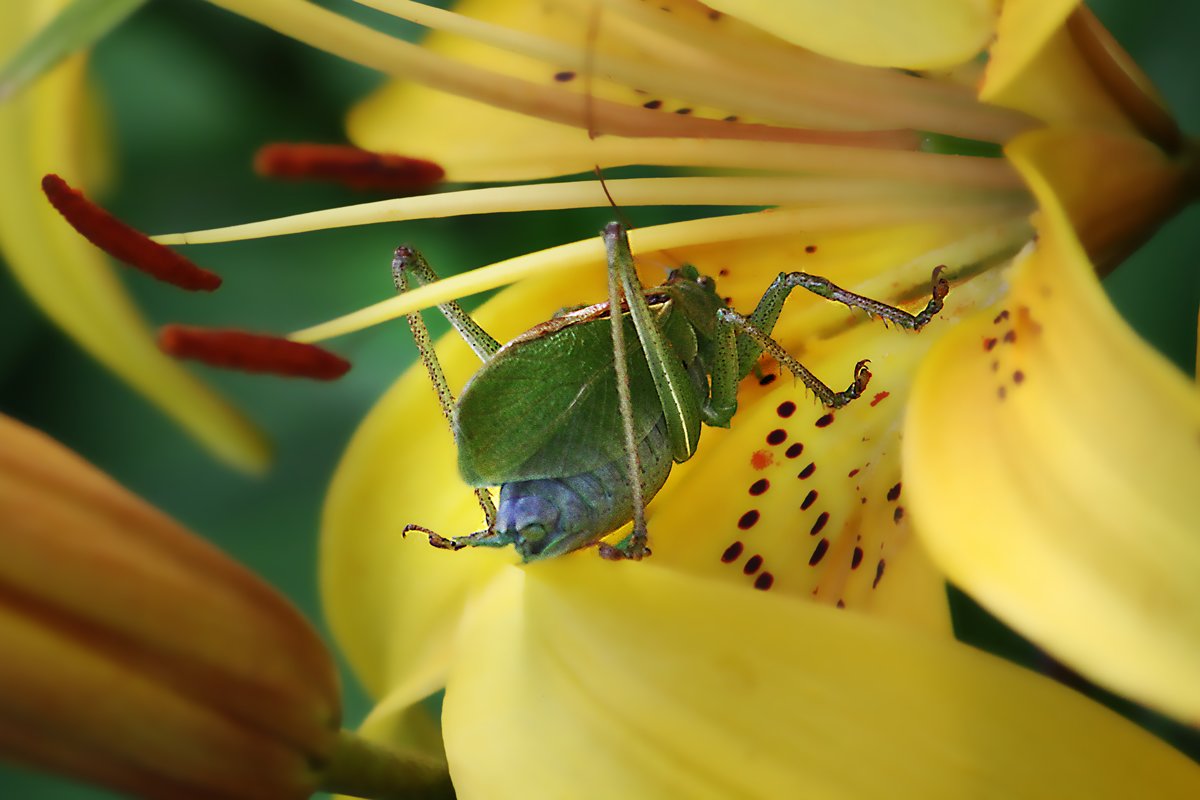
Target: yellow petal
point(45, 130)
point(584, 678)
point(1036, 66)
point(1053, 461)
point(136, 654)
point(921, 34)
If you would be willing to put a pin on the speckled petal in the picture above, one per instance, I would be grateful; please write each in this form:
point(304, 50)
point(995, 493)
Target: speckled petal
point(581, 678)
point(1053, 459)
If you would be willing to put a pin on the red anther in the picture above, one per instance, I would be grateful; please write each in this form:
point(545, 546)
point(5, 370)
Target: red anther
point(349, 166)
point(123, 242)
point(251, 352)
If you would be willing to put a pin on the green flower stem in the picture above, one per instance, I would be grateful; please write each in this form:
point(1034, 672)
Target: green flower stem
point(366, 769)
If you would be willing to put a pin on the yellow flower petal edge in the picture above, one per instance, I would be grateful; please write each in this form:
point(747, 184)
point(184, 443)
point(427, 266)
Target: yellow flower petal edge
point(1024, 28)
point(921, 34)
point(44, 130)
point(1054, 461)
point(586, 679)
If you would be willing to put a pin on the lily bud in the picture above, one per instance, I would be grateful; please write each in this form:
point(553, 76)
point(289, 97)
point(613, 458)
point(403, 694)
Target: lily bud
point(136, 655)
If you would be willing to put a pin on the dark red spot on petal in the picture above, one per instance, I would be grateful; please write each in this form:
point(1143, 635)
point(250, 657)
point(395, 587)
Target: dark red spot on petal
point(989, 343)
point(879, 568)
point(825, 421)
point(768, 379)
point(250, 352)
point(818, 552)
point(683, 111)
point(810, 249)
point(1018, 376)
point(747, 520)
point(807, 472)
point(777, 436)
point(879, 397)
point(564, 76)
point(722, 272)
point(1001, 392)
point(732, 552)
point(856, 558)
point(794, 450)
point(349, 166)
point(759, 486)
point(852, 473)
point(841, 603)
point(1010, 337)
point(753, 564)
point(786, 409)
point(761, 459)
point(652, 104)
point(894, 493)
point(730, 118)
point(764, 581)
point(123, 242)
point(1003, 315)
point(898, 514)
point(809, 499)
point(819, 524)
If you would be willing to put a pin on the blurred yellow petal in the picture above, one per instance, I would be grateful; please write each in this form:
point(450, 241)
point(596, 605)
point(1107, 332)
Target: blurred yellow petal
point(580, 678)
point(46, 129)
point(920, 34)
point(1053, 458)
point(139, 656)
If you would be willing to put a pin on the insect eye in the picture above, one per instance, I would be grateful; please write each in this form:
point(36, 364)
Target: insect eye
point(706, 282)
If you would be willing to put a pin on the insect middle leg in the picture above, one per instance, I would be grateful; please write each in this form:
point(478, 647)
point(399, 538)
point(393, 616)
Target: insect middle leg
point(408, 265)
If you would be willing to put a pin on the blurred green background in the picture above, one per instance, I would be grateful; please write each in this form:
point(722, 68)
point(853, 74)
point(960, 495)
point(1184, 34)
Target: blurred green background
point(192, 93)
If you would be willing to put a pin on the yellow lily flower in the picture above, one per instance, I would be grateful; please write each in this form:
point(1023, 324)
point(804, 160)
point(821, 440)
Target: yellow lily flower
point(706, 668)
point(53, 126)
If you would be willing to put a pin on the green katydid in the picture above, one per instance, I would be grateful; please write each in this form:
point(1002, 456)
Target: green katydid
point(579, 419)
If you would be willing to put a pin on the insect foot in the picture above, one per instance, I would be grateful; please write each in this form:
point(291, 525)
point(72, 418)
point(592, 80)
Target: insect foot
point(631, 548)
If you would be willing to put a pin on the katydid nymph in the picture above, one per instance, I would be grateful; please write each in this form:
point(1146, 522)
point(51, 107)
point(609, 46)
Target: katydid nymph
point(579, 419)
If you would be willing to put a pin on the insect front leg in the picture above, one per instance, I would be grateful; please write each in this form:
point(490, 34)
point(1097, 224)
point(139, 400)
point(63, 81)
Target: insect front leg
point(484, 538)
point(409, 264)
point(766, 313)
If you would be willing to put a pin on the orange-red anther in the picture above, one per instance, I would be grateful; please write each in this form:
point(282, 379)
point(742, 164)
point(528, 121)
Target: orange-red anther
point(251, 352)
point(358, 169)
point(123, 242)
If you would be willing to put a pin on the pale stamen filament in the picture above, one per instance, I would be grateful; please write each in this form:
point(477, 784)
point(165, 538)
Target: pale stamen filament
point(589, 253)
point(696, 191)
point(357, 43)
